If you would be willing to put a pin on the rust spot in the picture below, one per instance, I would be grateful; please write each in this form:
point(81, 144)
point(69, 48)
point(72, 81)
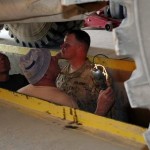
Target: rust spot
point(64, 114)
point(15, 94)
point(48, 112)
point(103, 62)
point(75, 116)
point(71, 113)
point(79, 123)
point(71, 127)
point(27, 97)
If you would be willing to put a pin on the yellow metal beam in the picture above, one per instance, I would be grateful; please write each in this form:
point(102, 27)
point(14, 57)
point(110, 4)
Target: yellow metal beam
point(124, 130)
point(117, 64)
point(124, 65)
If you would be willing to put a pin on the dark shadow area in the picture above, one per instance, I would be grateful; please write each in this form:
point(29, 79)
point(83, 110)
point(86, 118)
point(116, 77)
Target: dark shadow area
point(139, 116)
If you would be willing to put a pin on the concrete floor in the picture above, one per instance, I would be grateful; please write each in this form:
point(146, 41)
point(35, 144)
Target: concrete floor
point(22, 129)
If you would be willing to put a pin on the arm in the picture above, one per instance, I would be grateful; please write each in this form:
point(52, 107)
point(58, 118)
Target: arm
point(105, 101)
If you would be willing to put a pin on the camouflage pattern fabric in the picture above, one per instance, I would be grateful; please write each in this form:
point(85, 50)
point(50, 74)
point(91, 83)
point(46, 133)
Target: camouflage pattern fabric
point(82, 86)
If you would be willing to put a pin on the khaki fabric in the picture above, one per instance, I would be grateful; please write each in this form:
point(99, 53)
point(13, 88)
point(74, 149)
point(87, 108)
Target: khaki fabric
point(80, 85)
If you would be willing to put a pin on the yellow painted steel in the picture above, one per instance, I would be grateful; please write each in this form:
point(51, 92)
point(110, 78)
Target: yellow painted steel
point(124, 65)
point(118, 64)
point(121, 129)
point(117, 128)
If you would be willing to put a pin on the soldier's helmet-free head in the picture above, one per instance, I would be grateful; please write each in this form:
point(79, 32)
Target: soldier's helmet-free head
point(4, 63)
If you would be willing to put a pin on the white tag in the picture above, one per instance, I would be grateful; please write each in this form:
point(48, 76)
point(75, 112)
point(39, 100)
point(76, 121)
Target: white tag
point(70, 2)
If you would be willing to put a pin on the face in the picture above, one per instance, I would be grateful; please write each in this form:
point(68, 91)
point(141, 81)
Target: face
point(69, 47)
point(4, 63)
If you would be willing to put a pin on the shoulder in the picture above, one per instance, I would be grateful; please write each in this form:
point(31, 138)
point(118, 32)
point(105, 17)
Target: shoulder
point(86, 69)
point(19, 77)
point(25, 89)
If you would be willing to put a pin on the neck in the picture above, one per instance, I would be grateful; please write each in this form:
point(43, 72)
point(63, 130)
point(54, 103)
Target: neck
point(4, 77)
point(76, 64)
point(45, 82)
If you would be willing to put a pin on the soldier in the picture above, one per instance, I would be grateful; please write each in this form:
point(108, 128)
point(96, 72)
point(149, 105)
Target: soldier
point(76, 78)
point(11, 82)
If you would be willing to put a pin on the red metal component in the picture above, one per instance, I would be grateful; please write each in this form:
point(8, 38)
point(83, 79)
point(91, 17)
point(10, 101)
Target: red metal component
point(99, 20)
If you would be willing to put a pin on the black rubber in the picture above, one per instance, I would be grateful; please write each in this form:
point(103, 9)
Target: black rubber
point(41, 34)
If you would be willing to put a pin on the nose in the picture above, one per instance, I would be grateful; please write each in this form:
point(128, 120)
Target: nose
point(65, 45)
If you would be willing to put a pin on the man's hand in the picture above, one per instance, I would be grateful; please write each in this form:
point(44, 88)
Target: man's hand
point(105, 101)
point(58, 55)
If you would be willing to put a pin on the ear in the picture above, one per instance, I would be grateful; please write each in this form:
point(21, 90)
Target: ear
point(82, 50)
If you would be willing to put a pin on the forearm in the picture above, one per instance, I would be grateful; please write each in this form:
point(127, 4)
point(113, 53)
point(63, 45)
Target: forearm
point(105, 102)
point(101, 111)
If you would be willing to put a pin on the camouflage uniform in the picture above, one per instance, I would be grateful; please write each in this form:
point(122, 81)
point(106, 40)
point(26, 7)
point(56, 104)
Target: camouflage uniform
point(80, 85)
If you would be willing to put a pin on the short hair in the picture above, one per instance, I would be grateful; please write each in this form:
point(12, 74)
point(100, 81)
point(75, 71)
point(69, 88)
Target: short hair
point(5, 57)
point(81, 36)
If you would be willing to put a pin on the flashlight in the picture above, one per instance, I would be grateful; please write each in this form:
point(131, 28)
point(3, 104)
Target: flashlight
point(100, 75)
